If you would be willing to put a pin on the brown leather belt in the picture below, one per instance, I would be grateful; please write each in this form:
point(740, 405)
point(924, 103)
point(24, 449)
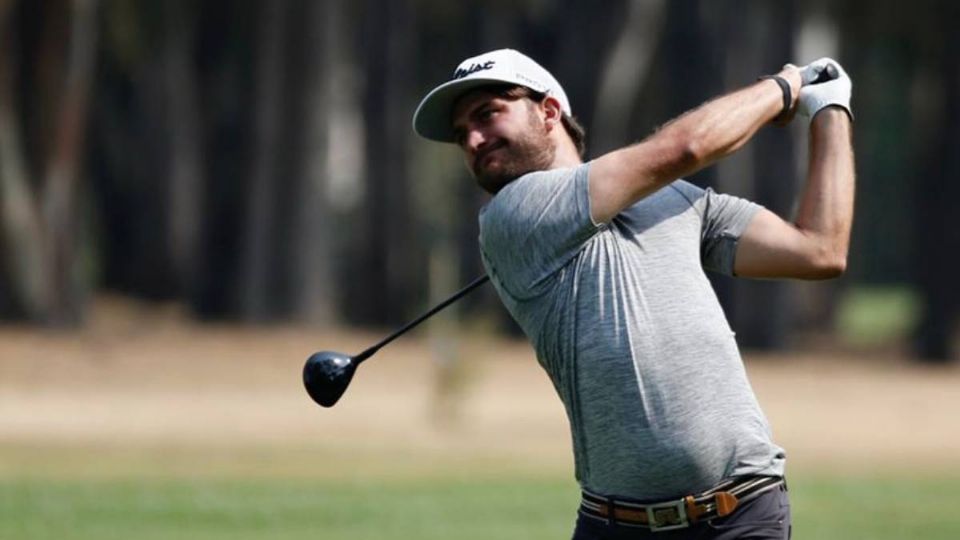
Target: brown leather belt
point(719, 501)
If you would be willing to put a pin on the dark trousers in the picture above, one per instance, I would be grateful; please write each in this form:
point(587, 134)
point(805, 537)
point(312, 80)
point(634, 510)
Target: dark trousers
point(766, 517)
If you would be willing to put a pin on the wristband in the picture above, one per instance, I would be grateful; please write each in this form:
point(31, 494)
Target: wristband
point(781, 118)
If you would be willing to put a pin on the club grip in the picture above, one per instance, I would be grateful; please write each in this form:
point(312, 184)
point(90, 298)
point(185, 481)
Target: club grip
point(828, 73)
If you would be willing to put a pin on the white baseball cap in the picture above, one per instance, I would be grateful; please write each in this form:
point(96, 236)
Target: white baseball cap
point(433, 117)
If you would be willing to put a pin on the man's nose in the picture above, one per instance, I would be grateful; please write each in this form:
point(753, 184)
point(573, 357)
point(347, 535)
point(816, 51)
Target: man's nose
point(475, 140)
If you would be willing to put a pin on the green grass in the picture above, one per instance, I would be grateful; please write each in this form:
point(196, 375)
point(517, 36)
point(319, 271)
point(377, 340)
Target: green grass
point(903, 508)
point(434, 508)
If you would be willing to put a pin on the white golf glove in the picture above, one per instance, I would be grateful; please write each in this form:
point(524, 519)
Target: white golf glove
point(815, 96)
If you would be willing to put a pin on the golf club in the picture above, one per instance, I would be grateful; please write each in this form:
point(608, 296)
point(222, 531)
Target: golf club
point(327, 374)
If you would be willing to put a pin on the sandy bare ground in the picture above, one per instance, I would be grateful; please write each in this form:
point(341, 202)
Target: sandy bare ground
point(141, 383)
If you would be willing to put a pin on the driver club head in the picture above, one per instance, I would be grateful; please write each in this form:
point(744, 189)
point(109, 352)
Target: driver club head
point(326, 376)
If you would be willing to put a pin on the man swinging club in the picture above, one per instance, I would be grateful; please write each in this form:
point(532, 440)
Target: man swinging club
point(601, 263)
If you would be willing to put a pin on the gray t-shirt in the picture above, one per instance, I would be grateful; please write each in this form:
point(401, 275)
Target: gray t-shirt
point(626, 324)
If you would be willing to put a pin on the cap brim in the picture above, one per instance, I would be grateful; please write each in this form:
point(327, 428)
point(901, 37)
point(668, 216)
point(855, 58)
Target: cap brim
point(433, 118)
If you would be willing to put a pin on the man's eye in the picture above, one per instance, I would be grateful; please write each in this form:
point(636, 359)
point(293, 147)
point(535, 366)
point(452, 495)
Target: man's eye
point(486, 114)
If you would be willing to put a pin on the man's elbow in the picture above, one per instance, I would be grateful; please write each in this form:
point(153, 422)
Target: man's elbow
point(699, 147)
point(685, 148)
point(828, 265)
point(691, 154)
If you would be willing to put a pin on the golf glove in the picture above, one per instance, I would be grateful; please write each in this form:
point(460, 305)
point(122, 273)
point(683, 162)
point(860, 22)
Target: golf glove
point(816, 96)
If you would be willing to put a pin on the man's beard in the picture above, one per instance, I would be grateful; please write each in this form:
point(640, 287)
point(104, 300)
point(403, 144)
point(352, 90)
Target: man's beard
point(532, 151)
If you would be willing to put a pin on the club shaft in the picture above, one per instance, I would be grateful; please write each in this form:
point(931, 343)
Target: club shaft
point(459, 294)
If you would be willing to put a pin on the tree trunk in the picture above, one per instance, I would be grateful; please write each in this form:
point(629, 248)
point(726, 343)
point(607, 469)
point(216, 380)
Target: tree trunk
point(24, 265)
point(386, 281)
point(624, 74)
point(228, 70)
point(261, 202)
point(312, 258)
point(185, 174)
point(41, 221)
point(60, 196)
point(938, 237)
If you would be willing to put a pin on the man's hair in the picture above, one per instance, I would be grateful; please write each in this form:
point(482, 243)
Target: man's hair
point(573, 128)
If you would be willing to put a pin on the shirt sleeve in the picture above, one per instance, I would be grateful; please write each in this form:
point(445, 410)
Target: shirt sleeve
point(725, 217)
point(533, 227)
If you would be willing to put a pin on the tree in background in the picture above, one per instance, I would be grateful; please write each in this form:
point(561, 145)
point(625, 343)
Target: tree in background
point(254, 160)
point(46, 72)
point(935, 82)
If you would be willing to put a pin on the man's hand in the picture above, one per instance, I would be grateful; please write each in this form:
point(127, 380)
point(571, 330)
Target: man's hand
point(816, 96)
point(793, 75)
point(794, 78)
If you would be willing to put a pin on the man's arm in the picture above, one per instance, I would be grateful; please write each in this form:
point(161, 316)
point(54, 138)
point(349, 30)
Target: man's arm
point(685, 145)
point(815, 246)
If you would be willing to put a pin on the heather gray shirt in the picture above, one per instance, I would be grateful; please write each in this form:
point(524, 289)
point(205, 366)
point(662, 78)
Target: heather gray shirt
point(626, 324)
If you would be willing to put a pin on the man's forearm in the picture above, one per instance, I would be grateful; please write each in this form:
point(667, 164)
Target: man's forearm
point(685, 145)
point(826, 203)
point(720, 127)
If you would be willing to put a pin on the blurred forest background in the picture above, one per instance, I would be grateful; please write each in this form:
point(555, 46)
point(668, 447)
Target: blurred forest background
point(254, 160)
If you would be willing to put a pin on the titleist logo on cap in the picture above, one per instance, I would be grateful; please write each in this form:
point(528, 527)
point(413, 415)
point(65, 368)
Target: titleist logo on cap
point(461, 73)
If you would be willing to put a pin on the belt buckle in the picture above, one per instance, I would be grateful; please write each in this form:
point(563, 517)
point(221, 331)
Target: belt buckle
point(667, 516)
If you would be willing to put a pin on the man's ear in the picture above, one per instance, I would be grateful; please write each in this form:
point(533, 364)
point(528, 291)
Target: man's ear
point(552, 112)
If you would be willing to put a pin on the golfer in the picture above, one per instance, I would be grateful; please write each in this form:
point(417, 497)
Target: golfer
point(602, 265)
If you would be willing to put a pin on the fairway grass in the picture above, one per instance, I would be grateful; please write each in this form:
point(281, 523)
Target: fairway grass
point(428, 508)
point(285, 510)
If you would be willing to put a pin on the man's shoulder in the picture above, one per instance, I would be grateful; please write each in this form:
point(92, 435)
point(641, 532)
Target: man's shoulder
point(531, 189)
point(544, 180)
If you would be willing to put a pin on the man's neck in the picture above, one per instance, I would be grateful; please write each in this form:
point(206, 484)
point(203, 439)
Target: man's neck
point(566, 155)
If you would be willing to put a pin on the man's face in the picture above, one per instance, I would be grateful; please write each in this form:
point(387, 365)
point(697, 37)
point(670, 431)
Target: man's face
point(502, 138)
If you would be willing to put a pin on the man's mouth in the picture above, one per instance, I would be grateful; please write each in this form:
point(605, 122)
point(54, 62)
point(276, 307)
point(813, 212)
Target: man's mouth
point(479, 160)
